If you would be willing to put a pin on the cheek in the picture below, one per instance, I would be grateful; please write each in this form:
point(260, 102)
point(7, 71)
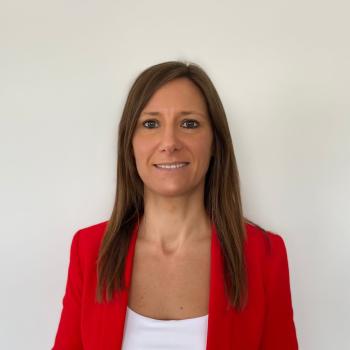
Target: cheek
point(141, 149)
point(202, 147)
point(137, 145)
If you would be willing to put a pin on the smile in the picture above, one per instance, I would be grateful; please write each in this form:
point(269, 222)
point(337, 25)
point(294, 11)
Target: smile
point(174, 166)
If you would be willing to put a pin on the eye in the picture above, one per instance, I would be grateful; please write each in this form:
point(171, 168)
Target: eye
point(148, 121)
point(191, 121)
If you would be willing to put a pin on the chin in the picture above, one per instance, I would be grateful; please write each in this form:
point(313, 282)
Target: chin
point(169, 192)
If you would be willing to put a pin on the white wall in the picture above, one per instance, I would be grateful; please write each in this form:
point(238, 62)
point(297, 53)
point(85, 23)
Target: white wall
point(282, 70)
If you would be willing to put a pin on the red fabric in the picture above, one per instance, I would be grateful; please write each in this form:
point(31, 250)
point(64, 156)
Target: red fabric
point(265, 324)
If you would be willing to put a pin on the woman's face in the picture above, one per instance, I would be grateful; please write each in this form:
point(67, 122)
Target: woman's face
point(166, 133)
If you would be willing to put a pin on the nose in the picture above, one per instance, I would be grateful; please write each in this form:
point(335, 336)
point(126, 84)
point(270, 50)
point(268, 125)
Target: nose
point(169, 140)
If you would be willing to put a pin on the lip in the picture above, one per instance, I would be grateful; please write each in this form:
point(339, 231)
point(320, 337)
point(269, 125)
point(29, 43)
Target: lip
point(172, 163)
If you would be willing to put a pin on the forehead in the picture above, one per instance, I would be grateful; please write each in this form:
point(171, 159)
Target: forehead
point(178, 95)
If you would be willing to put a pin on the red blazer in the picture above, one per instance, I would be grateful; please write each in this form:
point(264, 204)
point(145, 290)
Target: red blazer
point(265, 324)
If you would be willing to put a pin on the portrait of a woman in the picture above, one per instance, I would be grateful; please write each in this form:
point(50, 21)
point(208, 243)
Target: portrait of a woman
point(177, 265)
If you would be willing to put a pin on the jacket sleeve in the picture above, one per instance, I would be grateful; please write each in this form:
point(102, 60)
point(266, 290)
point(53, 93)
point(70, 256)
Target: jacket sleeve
point(68, 336)
point(279, 328)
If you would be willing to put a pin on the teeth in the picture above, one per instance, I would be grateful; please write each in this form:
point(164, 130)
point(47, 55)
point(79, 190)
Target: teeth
point(172, 166)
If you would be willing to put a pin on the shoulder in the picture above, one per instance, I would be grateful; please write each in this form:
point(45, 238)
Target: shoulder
point(92, 235)
point(86, 241)
point(266, 256)
point(263, 242)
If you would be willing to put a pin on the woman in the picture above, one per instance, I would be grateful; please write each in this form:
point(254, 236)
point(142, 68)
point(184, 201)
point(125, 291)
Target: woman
point(177, 266)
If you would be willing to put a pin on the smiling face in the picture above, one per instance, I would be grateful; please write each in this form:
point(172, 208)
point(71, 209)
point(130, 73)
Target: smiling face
point(173, 127)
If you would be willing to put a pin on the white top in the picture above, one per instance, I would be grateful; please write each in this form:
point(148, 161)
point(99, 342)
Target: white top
point(145, 333)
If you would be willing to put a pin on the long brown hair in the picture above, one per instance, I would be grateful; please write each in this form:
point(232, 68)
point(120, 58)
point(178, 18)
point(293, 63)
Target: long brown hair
point(222, 188)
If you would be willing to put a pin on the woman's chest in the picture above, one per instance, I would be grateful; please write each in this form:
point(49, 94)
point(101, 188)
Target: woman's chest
point(168, 288)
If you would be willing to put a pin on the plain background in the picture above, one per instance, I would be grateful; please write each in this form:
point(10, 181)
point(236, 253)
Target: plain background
point(282, 71)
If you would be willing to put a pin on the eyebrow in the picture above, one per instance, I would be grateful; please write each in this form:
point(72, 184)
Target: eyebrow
point(155, 113)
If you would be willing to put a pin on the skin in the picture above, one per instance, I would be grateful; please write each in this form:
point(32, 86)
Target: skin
point(175, 219)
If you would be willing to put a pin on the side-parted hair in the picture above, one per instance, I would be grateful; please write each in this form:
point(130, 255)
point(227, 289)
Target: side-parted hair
point(222, 188)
